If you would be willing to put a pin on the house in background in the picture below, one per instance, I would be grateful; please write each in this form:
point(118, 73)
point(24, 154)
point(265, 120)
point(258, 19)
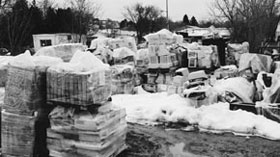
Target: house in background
point(193, 33)
point(41, 40)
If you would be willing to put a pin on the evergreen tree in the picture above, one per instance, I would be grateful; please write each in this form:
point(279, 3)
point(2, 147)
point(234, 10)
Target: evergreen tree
point(123, 23)
point(186, 20)
point(193, 22)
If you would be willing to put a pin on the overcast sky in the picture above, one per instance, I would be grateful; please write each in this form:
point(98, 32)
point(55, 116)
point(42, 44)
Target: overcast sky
point(176, 8)
point(114, 9)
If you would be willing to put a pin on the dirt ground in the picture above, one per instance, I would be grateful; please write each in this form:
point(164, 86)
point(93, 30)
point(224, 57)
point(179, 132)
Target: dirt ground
point(148, 141)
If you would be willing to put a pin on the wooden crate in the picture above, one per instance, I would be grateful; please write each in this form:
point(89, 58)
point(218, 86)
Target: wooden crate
point(79, 89)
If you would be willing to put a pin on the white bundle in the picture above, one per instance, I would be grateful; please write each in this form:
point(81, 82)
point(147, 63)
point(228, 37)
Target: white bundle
point(25, 60)
point(123, 52)
point(82, 62)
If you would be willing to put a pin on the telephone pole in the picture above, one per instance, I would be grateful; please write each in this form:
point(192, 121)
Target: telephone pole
point(167, 14)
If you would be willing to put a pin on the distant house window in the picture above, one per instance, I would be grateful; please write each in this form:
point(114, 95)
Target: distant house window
point(69, 37)
point(45, 43)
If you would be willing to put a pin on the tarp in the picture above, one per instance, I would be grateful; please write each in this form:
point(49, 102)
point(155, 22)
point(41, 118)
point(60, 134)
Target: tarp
point(235, 51)
point(63, 51)
point(235, 90)
point(123, 52)
point(256, 62)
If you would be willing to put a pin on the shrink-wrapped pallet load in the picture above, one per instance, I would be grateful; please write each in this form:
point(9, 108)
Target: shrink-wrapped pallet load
point(159, 47)
point(4, 61)
point(84, 123)
point(25, 93)
point(63, 51)
point(26, 83)
point(122, 79)
point(17, 133)
point(85, 80)
point(98, 131)
point(142, 60)
point(124, 55)
point(226, 72)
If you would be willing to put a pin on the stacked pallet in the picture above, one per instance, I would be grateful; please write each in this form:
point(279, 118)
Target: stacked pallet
point(84, 121)
point(123, 79)
point(25, 94)
point(97, 131)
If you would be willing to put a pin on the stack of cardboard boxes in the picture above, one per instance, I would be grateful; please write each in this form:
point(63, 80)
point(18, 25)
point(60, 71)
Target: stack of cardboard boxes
point(84, 121)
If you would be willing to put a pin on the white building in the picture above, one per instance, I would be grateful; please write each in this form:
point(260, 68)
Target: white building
point(41, 40)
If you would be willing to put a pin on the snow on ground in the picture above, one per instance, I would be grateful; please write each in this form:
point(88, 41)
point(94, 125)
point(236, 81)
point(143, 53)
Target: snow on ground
point(151, 108)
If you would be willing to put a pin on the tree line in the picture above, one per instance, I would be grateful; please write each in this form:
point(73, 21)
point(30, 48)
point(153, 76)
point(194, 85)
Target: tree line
point(254, 21)
point(146, 19)
point(20, 20)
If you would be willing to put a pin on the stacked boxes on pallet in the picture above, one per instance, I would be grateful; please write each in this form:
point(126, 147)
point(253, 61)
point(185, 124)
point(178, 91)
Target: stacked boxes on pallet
point(84, 121)
point(159, 50)
point(25, 93)
point(123, 77)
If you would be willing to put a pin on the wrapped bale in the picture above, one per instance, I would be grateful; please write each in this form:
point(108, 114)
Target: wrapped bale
point(226, 72)
point(85, 80)
point(122, 79)
point(63, 51)
point(25, 90)
point(4, 61)
point(128, 42)
point(2, 94)
point(119, 87)
point(98, 131)
point(17, 133)
point(26, 85)
point(79, 88)
point(124, 55)
point(142, 61)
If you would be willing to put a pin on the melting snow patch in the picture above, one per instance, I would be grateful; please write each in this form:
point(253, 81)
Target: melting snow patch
point(152, 108)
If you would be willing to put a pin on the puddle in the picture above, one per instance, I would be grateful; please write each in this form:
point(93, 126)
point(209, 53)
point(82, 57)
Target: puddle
point(177, 150)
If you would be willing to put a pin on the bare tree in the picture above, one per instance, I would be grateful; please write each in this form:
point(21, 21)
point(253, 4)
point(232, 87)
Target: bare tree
point(143, 18)
point(86, 10)
point(44, 5)
point(4, 4)
point(252, 20)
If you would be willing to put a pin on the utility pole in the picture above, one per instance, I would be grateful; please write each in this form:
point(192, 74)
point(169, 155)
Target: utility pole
point(167, 14)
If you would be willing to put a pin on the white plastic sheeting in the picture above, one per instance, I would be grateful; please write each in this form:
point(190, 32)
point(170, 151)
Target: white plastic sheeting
point(82, 62)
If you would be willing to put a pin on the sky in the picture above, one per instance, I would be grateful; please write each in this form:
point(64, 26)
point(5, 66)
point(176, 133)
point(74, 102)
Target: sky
point(114, 9)
point(176, 8)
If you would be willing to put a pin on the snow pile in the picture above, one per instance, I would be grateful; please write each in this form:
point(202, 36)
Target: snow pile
point(150, 108)
point(81, 62)
point(219, 117)
point(161, 107)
